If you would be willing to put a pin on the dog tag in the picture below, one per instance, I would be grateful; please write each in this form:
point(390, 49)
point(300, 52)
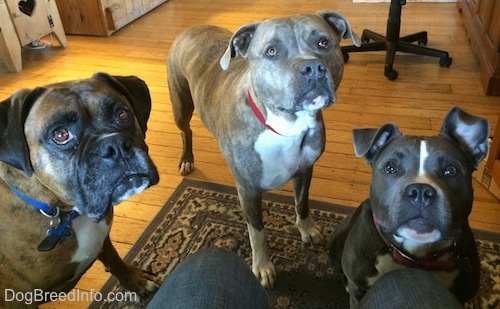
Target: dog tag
point(49, 243)
point(55, 234)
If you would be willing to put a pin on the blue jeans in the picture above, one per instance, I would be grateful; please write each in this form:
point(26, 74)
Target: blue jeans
point(219, 278)
point(408, 288)
point(211, 278)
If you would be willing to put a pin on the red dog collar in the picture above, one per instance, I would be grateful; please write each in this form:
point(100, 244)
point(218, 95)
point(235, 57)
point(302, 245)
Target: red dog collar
point(258, 113)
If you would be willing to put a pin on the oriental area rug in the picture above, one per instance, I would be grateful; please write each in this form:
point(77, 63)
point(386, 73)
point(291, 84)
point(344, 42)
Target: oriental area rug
point(201, 214)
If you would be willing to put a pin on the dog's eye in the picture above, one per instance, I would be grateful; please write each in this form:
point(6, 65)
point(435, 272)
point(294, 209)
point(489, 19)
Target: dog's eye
point(62, 136)
point(450, 171)
point(324, 43)
point(122, 116)
point(272, 52)
point(390, 167)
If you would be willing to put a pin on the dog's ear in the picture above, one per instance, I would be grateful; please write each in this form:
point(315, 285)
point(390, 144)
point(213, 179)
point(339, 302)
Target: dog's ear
point(238, 45)
point(341, 26)
point(367, 142)
point(13, 113)
point(469, 132)
point(135, 90)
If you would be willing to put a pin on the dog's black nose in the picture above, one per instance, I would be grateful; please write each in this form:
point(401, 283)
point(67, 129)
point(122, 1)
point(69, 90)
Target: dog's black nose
point(313, 69)
point(116, 148)
point(420, 194)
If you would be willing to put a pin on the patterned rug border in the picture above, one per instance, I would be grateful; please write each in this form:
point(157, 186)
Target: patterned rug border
point(231, 190)
point(226, 189)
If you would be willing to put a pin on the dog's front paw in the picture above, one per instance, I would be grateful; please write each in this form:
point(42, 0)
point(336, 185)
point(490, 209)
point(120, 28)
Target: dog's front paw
point(266, 273)
point(138, 280)
point(186, 167)
point(309, 231)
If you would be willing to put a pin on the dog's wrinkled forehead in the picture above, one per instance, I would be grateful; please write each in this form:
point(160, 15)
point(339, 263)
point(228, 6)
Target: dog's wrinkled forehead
point(268, 32)
point(295, 31)
point(424, 155)
point(88, 99)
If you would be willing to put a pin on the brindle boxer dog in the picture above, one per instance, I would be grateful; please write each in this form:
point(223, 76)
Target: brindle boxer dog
point(68, 153)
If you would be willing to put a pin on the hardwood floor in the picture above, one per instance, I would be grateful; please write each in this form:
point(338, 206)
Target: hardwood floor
point(416, 101)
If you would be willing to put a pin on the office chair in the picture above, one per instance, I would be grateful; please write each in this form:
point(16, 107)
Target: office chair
point(392, 42)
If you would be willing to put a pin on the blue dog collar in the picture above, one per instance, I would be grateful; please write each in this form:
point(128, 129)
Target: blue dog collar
point(54, 234)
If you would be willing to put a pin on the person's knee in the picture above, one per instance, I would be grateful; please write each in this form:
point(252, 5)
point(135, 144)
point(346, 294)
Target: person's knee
point(214, 255)
point(411, 288)
point(211, 278)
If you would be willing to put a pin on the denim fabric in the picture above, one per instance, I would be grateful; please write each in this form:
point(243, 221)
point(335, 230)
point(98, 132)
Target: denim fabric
point(408, 288)
point(211, 278)
point(220, 279)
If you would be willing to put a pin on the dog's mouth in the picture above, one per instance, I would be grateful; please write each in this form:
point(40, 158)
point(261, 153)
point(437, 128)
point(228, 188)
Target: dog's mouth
point(419, 231)
point(126, 187)
point(130, 185)
point(316, 99)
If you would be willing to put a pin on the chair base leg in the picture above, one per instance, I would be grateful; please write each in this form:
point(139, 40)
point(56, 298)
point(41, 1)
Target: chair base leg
point(373, 41)
point(392, 42)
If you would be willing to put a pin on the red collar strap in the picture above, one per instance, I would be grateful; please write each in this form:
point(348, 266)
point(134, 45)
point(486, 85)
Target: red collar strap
point(429, 262)
point(258, 113)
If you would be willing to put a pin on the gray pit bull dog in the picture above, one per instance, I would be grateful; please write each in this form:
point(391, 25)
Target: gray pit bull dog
point(417, 214)
point(264, 108)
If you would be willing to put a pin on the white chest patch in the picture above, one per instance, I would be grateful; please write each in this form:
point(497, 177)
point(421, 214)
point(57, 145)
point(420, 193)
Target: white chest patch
point(283, 155)
point(385, 263)
point(90, 237)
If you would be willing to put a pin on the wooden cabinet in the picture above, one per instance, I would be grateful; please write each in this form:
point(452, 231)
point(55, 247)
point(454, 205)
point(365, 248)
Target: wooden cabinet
point(482, 20)
point(101, 17)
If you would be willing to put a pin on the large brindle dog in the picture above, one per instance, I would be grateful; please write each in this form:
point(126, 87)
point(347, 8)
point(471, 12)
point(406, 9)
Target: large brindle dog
point(68, 153)
point(260, 91)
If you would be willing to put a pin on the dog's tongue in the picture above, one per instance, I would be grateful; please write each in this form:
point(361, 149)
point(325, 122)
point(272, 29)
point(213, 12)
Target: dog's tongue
point(420, 231)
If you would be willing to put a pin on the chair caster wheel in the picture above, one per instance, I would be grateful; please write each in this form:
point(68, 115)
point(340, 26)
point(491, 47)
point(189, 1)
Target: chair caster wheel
point(392, 74)
point(346, 57)
point(364, 39)
point(445, 61)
